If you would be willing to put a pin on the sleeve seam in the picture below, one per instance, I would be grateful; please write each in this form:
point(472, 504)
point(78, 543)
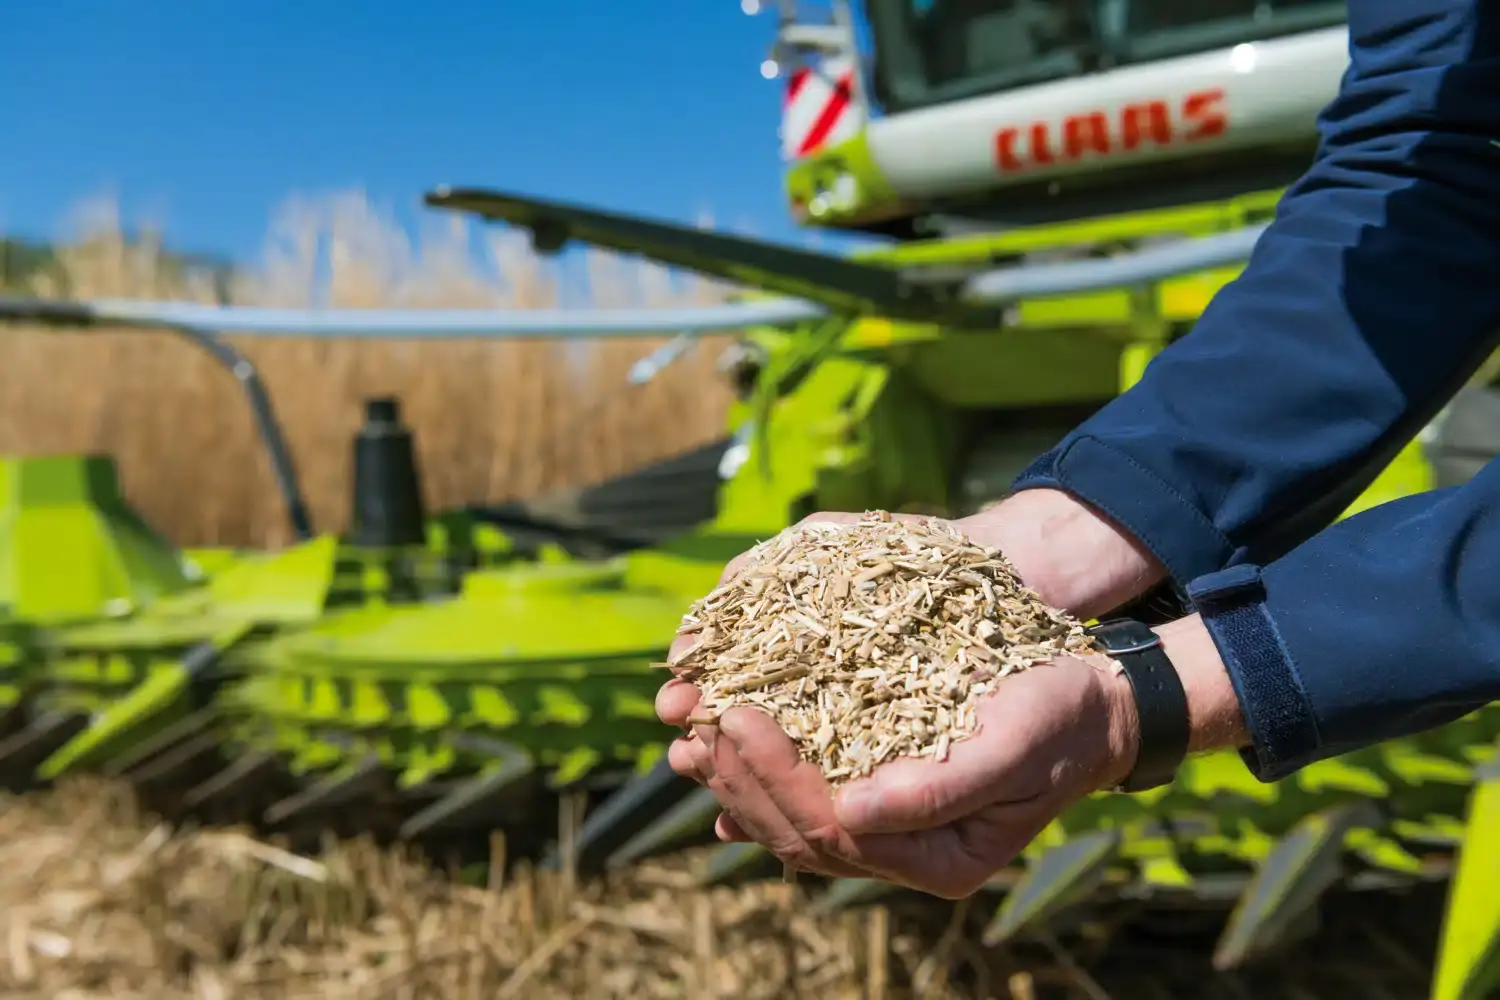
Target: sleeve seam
point(1143, 533)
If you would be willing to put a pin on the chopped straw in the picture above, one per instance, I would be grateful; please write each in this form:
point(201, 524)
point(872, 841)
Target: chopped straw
point(870, 640)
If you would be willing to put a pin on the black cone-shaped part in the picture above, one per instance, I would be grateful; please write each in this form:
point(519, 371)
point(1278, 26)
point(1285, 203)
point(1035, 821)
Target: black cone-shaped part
point(388, 509)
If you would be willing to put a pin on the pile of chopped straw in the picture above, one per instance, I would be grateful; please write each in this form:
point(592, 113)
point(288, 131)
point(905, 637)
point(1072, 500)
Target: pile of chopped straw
point(869, 640)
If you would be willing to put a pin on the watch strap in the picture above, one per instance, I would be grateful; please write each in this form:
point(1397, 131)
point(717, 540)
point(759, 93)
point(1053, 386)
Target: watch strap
point(1160, 701)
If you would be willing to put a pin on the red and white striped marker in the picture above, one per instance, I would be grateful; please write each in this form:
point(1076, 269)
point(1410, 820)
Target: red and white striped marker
point(819, 108)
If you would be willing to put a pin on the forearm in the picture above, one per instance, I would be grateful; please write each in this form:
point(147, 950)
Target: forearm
point(1368, 301)
point(1214, 717)
point(1215, 721)
point(1383, 625)
point(1074, 557)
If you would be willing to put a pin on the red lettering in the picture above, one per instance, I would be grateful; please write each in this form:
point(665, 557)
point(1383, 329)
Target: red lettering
point(1139, 122)
point(1041, 144)
point(1201, 115)
point(1204, 114)
point(1086, 133)
point(1005, 150)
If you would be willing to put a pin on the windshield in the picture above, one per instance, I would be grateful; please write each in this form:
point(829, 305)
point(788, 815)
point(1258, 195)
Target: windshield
point(931, 51)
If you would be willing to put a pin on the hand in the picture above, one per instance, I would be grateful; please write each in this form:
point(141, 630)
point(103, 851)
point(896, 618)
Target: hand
point(1074, 558)
point(1071, 555)
point(1048, 736)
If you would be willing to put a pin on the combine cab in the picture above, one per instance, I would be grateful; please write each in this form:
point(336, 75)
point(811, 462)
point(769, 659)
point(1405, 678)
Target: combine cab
point(985, 115)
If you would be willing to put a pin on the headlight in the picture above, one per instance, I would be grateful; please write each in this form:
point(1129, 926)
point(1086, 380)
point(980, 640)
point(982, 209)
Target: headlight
point(836, 191)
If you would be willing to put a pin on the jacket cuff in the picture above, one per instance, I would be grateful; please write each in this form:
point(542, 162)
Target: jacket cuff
point(1180, 535)
point(1283, 730)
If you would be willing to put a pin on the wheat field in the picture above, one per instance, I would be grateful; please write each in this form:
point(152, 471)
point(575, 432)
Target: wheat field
point(494, 420)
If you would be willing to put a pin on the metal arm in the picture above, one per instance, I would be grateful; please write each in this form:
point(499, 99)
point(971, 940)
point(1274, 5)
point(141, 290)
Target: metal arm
point(200, 324)
point(266, 425)
point(990, 289)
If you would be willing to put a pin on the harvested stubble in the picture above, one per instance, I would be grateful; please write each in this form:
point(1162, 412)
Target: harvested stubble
point(869, 640)
point(98, 900)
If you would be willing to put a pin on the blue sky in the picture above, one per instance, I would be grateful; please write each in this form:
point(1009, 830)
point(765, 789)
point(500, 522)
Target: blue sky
point(206, 115)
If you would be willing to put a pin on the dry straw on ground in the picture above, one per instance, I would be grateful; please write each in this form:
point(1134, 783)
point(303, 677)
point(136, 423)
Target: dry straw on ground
point(869, 640)
point(99, 901)
point(494, 420)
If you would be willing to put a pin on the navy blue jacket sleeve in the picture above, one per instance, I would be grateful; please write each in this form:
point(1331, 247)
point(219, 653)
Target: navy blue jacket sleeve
point(1372, 295)
point(1382, 625)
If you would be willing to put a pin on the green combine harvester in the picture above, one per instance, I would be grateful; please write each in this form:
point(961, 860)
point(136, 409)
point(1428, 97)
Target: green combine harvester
point(1057, 191)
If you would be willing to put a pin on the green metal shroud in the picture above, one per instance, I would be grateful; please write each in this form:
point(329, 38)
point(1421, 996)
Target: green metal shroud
point(332, 686)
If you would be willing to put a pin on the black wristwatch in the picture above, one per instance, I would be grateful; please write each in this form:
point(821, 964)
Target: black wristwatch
point(1160, 702)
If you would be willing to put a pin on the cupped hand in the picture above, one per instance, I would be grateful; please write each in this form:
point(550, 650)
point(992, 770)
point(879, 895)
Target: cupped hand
point(1071, 555)
point(1047, 737)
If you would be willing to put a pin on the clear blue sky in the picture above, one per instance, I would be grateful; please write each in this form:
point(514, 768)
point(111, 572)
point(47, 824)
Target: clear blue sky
point(206, 114)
